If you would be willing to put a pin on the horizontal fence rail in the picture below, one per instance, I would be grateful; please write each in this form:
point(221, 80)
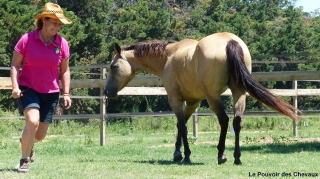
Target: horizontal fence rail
point(152, 85)
point(151, 81)
point(163, 114)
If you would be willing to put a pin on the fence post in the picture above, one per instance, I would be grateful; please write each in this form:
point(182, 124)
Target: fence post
point(102, 111)
point(295, 103)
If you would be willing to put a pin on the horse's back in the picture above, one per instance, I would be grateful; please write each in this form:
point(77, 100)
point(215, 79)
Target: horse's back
point(214, 46)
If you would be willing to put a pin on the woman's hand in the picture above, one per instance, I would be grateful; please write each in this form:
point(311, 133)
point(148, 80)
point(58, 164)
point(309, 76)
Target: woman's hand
point(16, 93)
point(67, 101)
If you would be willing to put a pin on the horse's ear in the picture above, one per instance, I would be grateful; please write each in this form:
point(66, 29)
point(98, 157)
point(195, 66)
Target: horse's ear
point(117, 48)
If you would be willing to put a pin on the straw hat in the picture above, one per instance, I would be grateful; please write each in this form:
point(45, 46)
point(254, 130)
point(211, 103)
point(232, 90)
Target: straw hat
point(53, 11)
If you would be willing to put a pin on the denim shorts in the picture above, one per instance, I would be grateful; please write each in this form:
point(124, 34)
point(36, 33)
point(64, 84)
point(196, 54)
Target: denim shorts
point(45, 102)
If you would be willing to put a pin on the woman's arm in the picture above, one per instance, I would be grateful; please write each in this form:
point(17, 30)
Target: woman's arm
point(65, 81)
point(14, 73)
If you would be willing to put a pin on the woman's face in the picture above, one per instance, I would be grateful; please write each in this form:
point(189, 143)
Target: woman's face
point(52, 26)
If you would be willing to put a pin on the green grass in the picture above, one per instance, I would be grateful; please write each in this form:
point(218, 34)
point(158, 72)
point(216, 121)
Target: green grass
point(144, 148)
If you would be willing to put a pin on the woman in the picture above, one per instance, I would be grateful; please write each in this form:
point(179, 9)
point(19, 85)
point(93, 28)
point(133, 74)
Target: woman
point(44, 57)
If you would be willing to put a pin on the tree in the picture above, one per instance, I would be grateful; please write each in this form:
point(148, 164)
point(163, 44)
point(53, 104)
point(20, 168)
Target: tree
point(273, 30)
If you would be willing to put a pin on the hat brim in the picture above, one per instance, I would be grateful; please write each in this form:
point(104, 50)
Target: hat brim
point(62, 18)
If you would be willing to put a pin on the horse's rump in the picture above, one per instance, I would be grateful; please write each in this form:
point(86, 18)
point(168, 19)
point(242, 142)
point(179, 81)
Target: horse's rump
point(213, 70)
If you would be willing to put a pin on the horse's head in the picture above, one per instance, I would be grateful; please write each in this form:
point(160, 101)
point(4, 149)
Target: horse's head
point(120, 73)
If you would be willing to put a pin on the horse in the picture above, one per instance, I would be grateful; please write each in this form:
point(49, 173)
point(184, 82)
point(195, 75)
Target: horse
point(194, 70)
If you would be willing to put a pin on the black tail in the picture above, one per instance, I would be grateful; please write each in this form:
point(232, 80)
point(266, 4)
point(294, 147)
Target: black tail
point(244, 79)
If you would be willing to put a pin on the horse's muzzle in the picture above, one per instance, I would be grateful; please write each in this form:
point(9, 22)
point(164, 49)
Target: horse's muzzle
point(109, 94)
point(105, 92)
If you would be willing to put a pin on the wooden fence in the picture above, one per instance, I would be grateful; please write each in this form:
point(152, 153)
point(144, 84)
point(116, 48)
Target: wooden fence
point(140, 85)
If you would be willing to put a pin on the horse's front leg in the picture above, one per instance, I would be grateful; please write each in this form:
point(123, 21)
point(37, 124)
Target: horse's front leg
point(182, 138)
point(177, 155)
point(182, 130)
point(189, 109)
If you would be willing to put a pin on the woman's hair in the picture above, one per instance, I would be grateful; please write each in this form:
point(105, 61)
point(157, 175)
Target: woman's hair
point(39, 22)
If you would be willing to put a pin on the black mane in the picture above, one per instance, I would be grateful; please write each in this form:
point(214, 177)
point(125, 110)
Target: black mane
point(154, 47)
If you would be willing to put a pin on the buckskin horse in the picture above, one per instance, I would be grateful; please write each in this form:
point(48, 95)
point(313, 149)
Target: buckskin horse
point(194, 70)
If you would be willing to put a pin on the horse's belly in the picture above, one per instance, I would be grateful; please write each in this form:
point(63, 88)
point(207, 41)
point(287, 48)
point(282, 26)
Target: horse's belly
point(199, 93)
point(193, 93)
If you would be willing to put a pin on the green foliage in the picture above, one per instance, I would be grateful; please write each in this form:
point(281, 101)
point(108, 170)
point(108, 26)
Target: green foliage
point(16, 19)
point(274, 31)
point(125, 23)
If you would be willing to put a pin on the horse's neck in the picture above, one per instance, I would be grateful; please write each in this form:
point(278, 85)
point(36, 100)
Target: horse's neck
point(153, 65)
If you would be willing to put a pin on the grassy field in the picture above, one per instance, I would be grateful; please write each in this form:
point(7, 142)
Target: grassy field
point(144, 149)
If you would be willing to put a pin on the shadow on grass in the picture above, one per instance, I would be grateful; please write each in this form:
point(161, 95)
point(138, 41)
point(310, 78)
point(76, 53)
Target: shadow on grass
point(153, 162)
point(165, 162)
point(8, 170)
point(283, 148)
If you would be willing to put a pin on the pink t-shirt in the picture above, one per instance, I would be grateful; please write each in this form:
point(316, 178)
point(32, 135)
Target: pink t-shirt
point(40, 70)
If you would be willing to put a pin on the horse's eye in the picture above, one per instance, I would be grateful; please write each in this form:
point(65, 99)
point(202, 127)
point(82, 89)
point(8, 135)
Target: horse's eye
point(113, 67)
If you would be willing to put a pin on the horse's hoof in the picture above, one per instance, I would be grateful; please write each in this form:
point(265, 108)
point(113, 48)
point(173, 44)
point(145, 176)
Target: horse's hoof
point(222, 160)
point(177, 156)
point(237, 162)
point(186, 161)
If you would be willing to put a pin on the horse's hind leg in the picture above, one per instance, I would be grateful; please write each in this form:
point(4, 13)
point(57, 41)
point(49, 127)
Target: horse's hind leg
point(239, 101)
point(217, 107)
point(237, 124)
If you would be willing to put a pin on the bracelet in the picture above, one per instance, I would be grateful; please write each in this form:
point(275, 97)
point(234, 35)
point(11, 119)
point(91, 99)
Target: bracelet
point(66, 94)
